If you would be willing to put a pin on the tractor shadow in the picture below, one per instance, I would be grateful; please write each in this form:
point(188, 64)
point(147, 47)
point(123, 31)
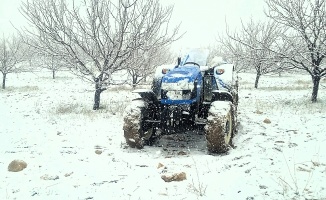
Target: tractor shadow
point(183, 143)
point(179, 144)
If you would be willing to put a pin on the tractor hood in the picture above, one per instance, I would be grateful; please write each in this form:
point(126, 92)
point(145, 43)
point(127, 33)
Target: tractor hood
point(180, 78)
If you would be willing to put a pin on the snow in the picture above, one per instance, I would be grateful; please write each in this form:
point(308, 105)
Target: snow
point(217, 60)
point(182, 84)
point(220, 108)
point(180, 74)
point(51, 126)
point(143, 90)
point(133, 107)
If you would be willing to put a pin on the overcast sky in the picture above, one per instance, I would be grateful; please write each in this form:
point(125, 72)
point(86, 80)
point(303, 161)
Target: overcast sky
point(9, 13)
point(202, 20)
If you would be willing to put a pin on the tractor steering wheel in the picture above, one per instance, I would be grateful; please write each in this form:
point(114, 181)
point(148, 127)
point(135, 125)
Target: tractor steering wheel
point(192, 63)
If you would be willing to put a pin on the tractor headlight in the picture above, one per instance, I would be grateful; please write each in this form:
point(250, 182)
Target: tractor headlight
point(165, 70)
point(220, 71)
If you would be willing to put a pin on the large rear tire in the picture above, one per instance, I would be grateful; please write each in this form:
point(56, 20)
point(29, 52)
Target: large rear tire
point(220, 127)
point(136, 132)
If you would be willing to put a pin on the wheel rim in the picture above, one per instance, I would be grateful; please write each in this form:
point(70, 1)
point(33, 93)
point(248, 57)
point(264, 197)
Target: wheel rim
point(150, 131)
point(147, 134)
point(228, 129)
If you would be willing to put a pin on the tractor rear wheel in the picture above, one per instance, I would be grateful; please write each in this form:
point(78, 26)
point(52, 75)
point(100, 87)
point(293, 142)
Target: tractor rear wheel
point(220, 127)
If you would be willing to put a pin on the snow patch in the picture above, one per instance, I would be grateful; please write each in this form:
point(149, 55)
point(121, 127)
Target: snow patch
point(220, 107)
point(183, 84)
point(271, 160)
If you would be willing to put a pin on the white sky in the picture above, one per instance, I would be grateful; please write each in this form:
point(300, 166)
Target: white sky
point(9, 13)
point(202, 20)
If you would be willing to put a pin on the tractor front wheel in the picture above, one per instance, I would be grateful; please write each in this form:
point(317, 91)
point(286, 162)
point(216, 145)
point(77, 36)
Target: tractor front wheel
point(219, 129)
point(136, 131)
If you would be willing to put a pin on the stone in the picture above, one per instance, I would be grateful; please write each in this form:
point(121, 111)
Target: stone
point(98, 152)
point(17, 165)
point(175, 177)
point(182, 153)
point(160, 165)
point(48, 177)
point(267, 121)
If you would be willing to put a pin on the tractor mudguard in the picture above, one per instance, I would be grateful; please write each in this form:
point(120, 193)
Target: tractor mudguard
point(220, 95)
point(148, 96)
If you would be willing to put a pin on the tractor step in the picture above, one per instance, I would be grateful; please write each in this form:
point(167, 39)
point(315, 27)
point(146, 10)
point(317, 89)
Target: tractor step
point(153, 121)
point(201, 121)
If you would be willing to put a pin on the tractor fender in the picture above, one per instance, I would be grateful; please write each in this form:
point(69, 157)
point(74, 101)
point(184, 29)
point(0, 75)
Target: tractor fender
point(221, 95)
point(148, 96)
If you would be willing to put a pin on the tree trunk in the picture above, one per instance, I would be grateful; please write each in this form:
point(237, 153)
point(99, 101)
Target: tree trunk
point(4, 81)
point(257, 80)
point(315, 81)
point(98, 91)
point(53, 74)
point(97, 99)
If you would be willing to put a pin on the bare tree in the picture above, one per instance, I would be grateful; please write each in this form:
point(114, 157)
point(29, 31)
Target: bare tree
point(143, 63)
point(251, 45)
point(54, 63)
point(97, 37)
point(12, 54)
point(306, 35)
point(231, 51)
point(216, 50)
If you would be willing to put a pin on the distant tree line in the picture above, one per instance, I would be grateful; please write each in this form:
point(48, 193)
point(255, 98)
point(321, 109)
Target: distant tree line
point(294, 37)
point(94, 39)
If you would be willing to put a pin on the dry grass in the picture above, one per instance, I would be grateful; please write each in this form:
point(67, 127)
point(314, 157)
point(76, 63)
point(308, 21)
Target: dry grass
point(245, 82)
point(115, 107)
point(278, 88)
point(271, 85)
point(116, 88)
point(303, 82)
point(67, 108)
point(323, 80)
point(125, 87)
point(292, 186)
point(297, 106)
point(77, 109)
point(198, 188)
point(63, 78)
point(112, 107)
point(20, 89)
point(286, 88)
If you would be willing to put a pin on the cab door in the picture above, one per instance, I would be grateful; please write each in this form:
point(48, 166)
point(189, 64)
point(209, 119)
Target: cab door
point(209, 86)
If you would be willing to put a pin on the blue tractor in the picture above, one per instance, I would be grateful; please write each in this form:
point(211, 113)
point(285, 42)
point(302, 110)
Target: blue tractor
point(183, 97)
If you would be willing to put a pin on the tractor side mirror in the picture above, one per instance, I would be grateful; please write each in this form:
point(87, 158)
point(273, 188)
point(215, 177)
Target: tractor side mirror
point(194, 92)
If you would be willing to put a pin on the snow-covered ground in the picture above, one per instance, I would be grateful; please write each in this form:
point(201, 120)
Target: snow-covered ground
point(73, 152)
